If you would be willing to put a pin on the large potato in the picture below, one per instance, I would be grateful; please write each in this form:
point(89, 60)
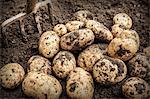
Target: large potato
point(77, 40)
point(41, 86)
point(49, 44)
point(80, 84)
point(100, 31)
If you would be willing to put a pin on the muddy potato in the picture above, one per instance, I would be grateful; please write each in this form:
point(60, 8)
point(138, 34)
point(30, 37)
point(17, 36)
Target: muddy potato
point(135, 87)
point(88, 57)
point(100, 31)
point(39, 64)
point(74, 25)
point(147, 51)
point(77, 40)
point(109, 71)
point(83, 15)
point(11, 75)
point(80, 84)
point(130, 34)
point(63, 63)
point(49, 44)
point(139, 66)
point(117, 29)
point(123, 49)
point(41, 86)
point(123, 19)
point(60, 29)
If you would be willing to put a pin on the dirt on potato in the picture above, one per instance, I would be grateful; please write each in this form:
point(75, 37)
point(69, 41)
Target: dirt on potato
point(18, 47)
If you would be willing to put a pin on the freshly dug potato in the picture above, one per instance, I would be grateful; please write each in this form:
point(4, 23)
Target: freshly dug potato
point(101, 32)
point(74, 25)
point(117, 29)
point(41, 86)
point(60, 29)
point(123, 19)
point(83, 15)
point(88, 57)
point(11, 75)
point(77, 40)
point(130, 34)
point(63, 63)
point(139, 66)
point(49, 44)
point(80, 84)
point(147, 51)
point(109, 70)
point(135, 87)
point(39, 64)
point(122, 48)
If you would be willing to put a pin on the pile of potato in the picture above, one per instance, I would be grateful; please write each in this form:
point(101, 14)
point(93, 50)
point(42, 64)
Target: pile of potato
point(106, 62)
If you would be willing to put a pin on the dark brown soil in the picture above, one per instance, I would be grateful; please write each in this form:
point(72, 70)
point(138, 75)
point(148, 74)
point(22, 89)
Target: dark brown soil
point(17, 46)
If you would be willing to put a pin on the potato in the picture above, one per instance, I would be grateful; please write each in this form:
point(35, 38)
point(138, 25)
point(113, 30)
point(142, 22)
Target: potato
point(122, 48)
point(11, 75)
point(88, 57)
point(135, 87)
point(77, 40)
point(63, 63)
point(100, 31)
point(139, 66)
point(109, 71)
point(41, 86)
point(60, 29)
point(74, 25)
point(49, 44)
point(117, 29)
point(130, 34)
point(80, 84)
point(123, 19)
point(147, 51)
point(83, 15)
point(39, 64)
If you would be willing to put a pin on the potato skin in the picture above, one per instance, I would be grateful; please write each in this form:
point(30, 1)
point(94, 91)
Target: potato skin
point(39, 64)
point(139, 66)
point(11, 75)
point(117, 29)
point(49, 44)
point(77, 40)
point(63, 63)
point(83, 15)
point(88, 57)
point(74, 25)
point(60, 29)
point(41, 86)
point(135, 87)
point(122, 48)
point(80, 84)
point(123, 19)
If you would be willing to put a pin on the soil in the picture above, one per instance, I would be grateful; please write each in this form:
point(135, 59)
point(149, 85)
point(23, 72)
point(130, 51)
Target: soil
point(19, 46)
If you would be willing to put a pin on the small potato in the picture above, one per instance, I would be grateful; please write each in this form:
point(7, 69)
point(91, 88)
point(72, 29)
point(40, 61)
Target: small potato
point(136, 88)
point(60, 29)
point(74, 25)
point(80, 84)
point(88, 57)
point(123, 49)
point(101, 32)
point(123, 19)
point(77, 40)
point(49, 44)
point(63, 63)
point(83, 15)
point(109, 71)
point(117, 29)
point(139, 66)
point(11, 75)
point(41, 86)
point(130, 34)
point(147, 51)
point(39, 64)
